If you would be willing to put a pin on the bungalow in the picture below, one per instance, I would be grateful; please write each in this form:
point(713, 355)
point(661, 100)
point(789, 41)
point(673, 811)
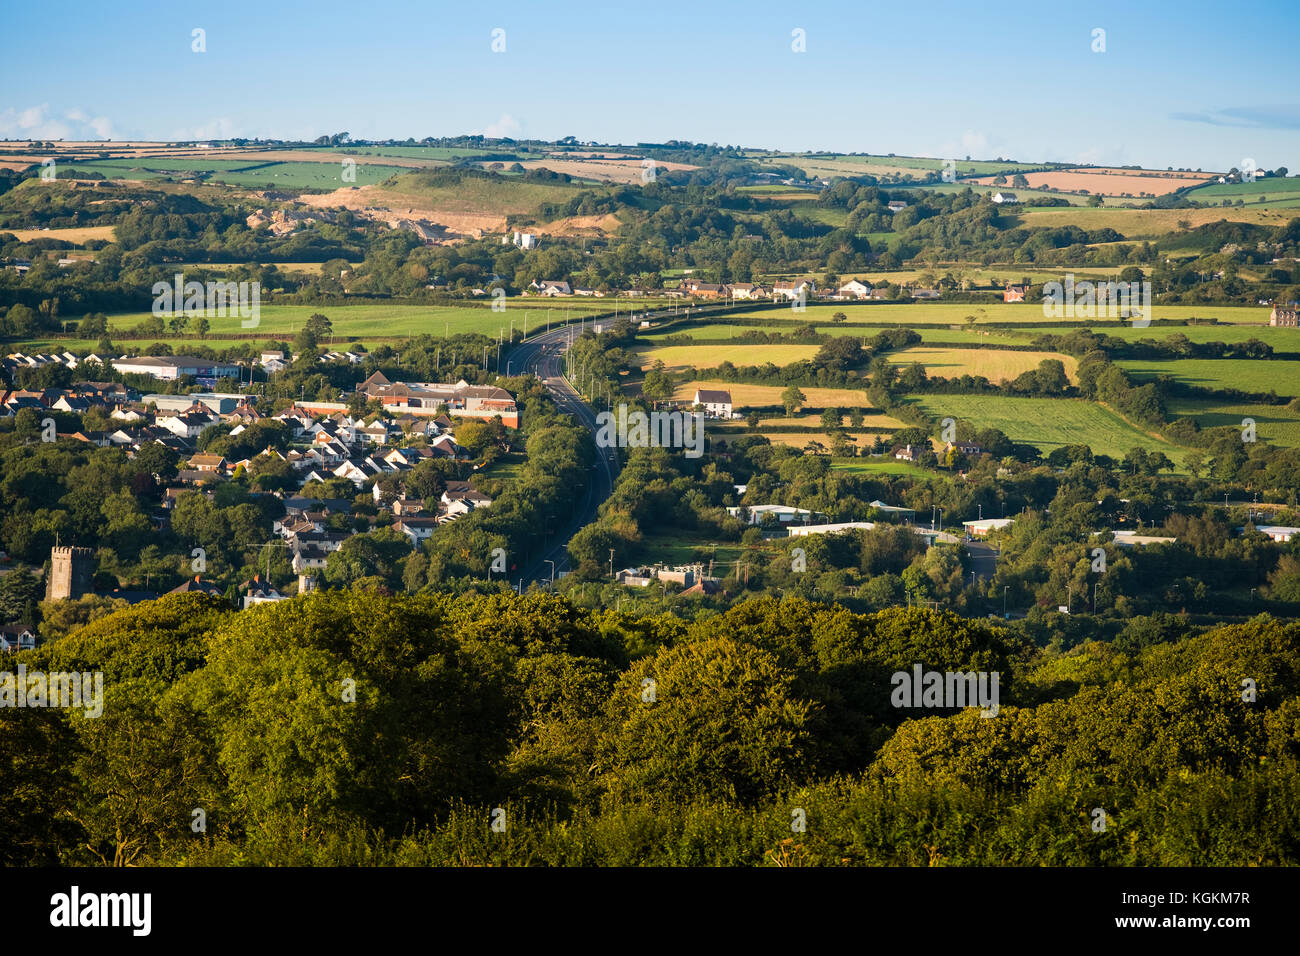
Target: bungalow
point(197, 585)
point(550, 288)
point(258, 591)
point(208, 463)
point(807, 529)
point(783, 514)
point(910, 452)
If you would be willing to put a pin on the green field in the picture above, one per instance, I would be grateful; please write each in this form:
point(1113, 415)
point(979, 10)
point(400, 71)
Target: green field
point(237, 173)
point(438, 153)
point(1276, 192)
point(1273, 423)
point(1251, 375)
point(683, 548)
point(879, 466)
point(366, 322)
point(1048, 423)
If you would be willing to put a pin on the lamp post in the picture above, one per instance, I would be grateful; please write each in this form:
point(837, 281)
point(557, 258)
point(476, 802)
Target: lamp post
point(1005, 588)
point(552, 564)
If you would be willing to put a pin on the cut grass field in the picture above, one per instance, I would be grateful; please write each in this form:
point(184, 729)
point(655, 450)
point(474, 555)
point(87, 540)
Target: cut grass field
point(1273, 423)
point(884, 465)
point(746, 396)
point(1049, 423)
point(860, 439)
point(994, 364)
point(1147, 223)
point(75, 234)
point(1251, 375)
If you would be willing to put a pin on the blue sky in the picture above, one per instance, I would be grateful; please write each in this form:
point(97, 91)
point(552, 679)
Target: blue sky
point(1182, 84)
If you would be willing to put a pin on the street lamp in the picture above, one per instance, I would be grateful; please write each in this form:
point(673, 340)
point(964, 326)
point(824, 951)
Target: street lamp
point(1005, 588)
point(552, 564)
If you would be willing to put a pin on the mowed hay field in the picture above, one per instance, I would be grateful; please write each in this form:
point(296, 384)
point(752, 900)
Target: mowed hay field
point(1273, 423)
point(1148, 223)
point(1049, 423)
point(996, 365)
point(746, 396)
point(1250, 375)
point(710, 356)
point(1110, 182)
point(77, 234)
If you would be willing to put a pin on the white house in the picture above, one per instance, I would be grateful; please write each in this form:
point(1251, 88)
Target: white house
point(791, 290)
point(782, 513)
point(417, 529)
point(799, 531)
point(17, 637)
point(854, 289)
point(1005, 198)
point(717, 403)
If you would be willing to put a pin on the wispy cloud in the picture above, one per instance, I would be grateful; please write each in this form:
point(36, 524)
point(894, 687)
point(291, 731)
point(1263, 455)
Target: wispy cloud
point(1250, 117)
point(40, 122)
point(506, 126)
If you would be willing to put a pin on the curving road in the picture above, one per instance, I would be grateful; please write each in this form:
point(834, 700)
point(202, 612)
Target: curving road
point(543, 356)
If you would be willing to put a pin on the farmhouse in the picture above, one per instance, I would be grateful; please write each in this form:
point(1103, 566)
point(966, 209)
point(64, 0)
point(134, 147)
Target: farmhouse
point(1014, 293)
point(854, 289)
point(897, 205)
point(717, 404)
point(1005, 198)
point(547, 287)
point(1287, 316)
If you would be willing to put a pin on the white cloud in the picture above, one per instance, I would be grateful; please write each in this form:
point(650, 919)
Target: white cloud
point(506, 127)
point(40, 122)
point(220, 128)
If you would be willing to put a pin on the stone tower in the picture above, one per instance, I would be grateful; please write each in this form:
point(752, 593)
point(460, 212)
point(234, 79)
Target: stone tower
point(70, 572)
